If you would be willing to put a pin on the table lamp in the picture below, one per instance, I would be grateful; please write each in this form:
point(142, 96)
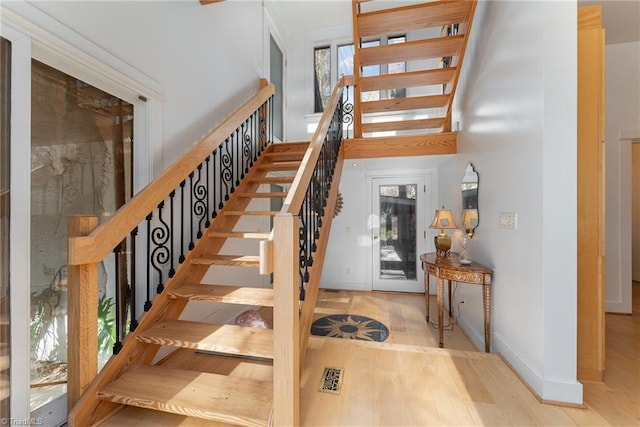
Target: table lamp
point(443, 220)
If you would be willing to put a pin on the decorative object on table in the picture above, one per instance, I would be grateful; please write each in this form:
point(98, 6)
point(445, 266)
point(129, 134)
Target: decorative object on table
point(469, 223)
point(464, 241)
point(350, 326)
point(253, 319)
point(470, 216)
point(443, 219)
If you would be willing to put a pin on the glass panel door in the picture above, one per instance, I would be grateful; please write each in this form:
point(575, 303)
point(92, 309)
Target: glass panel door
point(81, 163)
point(398, 236)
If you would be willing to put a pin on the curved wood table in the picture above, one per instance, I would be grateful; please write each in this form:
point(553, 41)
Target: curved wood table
point(450, 269)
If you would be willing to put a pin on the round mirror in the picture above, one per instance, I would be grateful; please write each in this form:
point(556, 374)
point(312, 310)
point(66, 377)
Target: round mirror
point(470, 217)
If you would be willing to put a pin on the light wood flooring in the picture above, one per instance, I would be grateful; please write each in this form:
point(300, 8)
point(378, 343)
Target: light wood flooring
point(408, 381)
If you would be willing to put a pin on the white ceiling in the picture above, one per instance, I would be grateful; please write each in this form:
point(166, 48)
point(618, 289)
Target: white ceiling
point(621, 18)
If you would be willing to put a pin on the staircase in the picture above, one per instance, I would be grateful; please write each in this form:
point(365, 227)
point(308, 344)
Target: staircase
point(195, 381)
point(416, 95)
point(175, 370)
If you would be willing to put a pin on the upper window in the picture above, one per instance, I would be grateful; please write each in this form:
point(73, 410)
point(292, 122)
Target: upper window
point(325, 78)
point(322, 77)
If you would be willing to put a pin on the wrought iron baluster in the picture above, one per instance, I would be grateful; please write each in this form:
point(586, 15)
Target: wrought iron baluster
point(238, 158)
point(117, 345)
point(213, 185)
point(207, 223)
point(191, 240)
point(172, 270)
point(182, 258)
point(199, 206)
point(253, 138)
point(246, 147)
point(133, 323)
point(226, 165)
point(160, 253)
point(147, 303)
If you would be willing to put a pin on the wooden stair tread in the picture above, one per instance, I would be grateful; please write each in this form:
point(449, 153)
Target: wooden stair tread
point(195, 394)
point(415, 17)
point(410, 51)
point(289, 146)
point(280, 166)
point(400, 104)
point(232, 260)
point(281, 156)
point(242, 213)
point(225, 293)
point(411, 79)
point(265, 195)
point(273, 179)
point(227, 339)
point(240, 234)
point(400, 125)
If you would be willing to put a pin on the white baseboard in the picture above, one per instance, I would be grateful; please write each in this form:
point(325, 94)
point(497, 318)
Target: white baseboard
point(622, 307)
point(476, 336)
point(346, 286)
point(550, 389)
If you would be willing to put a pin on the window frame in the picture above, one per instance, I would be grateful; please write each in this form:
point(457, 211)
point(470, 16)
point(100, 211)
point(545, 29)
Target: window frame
point(334, 47)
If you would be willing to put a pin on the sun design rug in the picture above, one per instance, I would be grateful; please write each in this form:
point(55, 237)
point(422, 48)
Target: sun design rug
point(350, 326)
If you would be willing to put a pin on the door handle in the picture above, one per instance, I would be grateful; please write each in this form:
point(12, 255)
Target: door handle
point(375, 237)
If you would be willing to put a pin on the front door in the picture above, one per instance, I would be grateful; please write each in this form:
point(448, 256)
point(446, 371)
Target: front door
point(398, 233)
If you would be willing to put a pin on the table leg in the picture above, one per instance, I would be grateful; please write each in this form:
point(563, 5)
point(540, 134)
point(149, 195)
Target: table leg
point(440, 296)
point(450, 302)
point(486, 291)
point(426, 294)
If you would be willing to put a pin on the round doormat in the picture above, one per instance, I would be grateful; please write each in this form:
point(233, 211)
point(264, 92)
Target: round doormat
point(350, 326)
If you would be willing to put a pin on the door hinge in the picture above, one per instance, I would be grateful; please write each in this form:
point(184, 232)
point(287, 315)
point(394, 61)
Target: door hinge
point(425, 188)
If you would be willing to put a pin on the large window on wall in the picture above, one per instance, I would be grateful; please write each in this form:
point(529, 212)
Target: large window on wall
point(322, 77)
point(81, 164)
point(344, 54)
point(5, 155)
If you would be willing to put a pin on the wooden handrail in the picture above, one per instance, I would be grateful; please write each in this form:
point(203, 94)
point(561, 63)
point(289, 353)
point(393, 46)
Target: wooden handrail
point(97, 245)
point(297, 192)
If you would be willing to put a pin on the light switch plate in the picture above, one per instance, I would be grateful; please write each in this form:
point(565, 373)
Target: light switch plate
point(508, 220)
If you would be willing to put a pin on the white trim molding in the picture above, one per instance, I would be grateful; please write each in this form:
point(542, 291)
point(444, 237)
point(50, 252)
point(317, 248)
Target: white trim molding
point(549, 389)
point(621, 300)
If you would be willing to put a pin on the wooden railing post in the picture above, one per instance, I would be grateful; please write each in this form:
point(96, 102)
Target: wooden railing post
point(82, 316)
point(286, 323)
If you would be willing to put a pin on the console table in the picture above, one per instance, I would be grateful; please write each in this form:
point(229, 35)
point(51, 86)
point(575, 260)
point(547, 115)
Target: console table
point(450, 269)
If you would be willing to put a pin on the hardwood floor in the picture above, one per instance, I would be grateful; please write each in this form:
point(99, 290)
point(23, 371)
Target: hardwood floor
point(408, 381)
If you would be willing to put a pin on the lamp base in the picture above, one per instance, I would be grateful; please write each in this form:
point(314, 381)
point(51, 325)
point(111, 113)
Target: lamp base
point(442, 243)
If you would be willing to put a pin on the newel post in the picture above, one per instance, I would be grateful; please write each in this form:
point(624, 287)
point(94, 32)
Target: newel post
point(286, 322)
point(82, 316)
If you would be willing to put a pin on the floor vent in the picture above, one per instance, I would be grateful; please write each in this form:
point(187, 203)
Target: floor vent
point(331, 380)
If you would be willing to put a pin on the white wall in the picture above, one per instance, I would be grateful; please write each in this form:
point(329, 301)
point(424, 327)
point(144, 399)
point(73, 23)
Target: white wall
point(622, 116)
point(517, 110)
point(206, 60)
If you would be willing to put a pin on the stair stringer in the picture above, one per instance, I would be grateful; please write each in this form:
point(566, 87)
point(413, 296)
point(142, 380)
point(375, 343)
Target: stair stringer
point(315, 271)
point(89, 409)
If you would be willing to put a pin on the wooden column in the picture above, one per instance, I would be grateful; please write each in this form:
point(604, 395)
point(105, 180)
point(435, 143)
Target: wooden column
point(286, 324)
point(82, 316)
point(591, 194)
